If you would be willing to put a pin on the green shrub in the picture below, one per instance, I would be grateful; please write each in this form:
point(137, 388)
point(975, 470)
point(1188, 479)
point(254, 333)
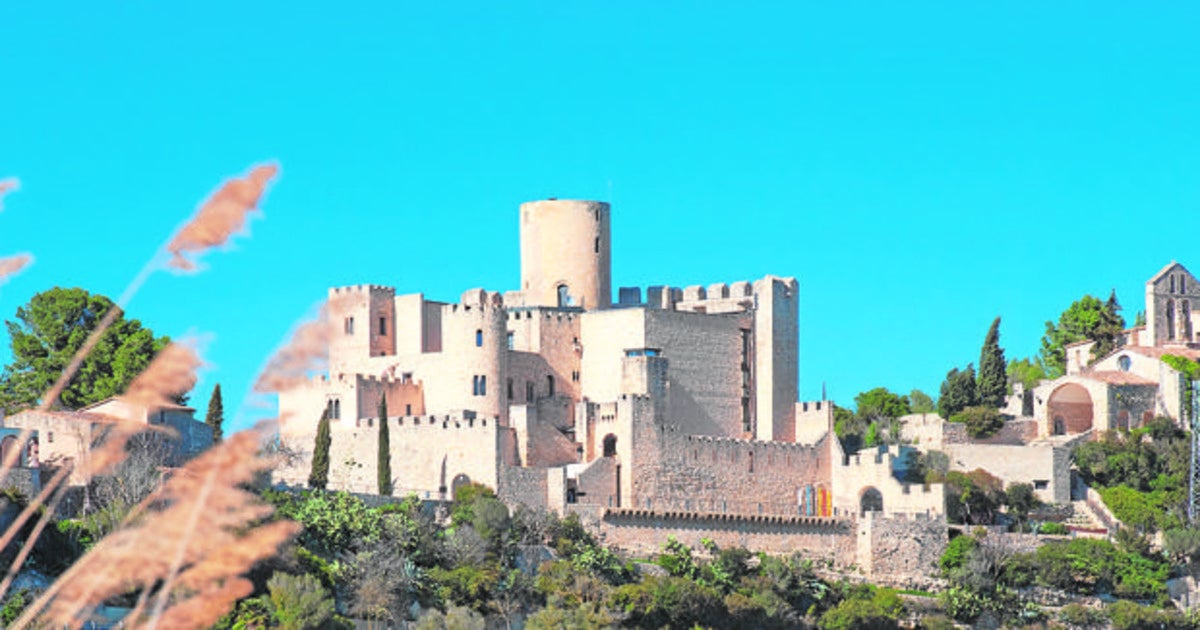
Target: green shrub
point(956, 553)
point(1080, 616)
point(300, 602)
point(873, 609)
point(982, 422)
point(1053, 529)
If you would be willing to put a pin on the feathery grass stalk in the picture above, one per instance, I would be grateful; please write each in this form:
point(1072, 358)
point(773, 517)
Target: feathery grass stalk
point(177, 563)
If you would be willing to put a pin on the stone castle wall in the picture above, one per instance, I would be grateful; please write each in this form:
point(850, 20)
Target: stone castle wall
point(642, 532)
point(428, 454)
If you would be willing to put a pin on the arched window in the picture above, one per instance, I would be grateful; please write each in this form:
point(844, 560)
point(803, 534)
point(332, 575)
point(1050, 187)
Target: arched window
point(549, 385)
point(610, 445)
point(1171, 318)
point(1187, 317)
point(564, 295)
point(478, 338)
point(1124, 362)
point(1172, 284)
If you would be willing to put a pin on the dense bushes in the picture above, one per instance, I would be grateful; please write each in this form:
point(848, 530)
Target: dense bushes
point(1140, 474)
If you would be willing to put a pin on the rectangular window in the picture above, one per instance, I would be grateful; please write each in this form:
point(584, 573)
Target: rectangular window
point(479, 385)
point(383, 326)
point(406, 378)
point(528, 391)
point(408, 410)
point(483, 386)
point(510, 340)
point(510, 389)
point(478, 338)
point(1040, 484)
point(348, 325)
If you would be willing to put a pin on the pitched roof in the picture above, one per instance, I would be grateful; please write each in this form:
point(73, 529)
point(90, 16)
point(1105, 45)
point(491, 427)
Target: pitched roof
point(1113, 377)
point(1162, 272)
point(168, 406)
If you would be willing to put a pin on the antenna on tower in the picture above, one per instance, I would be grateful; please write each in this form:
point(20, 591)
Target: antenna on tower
point(823, 391)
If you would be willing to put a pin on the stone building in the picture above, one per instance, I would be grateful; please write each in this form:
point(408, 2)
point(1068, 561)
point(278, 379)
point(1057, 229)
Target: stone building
point(666, 408)
point(67, 437)
point(1130, 385)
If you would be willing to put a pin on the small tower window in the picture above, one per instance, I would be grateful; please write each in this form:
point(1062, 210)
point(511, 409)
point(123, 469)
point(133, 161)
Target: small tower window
point(550, 386)
point(564, 295)
point(383, 326)
point(1172, 284)
point(478, 338)
point(1183, 284)
point(1124, 362)
point(510, 389)
point(596, 246)
point(348, 325)
point(509, 340)
point(528, 391)
point(479, 385)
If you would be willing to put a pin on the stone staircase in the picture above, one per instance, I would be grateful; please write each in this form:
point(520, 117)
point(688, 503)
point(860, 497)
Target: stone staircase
point(1085, 521)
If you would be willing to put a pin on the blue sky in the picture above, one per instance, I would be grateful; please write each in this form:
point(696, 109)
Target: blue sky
point(920, 167)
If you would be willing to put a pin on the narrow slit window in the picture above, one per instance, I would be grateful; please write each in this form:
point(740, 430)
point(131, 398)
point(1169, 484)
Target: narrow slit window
point(478, 338)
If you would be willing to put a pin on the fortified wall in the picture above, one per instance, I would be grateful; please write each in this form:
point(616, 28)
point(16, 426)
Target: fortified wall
point(430, 455)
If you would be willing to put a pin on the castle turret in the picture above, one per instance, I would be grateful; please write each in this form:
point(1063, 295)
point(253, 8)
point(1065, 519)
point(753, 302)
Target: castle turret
point(566, 254)
point(363, 321)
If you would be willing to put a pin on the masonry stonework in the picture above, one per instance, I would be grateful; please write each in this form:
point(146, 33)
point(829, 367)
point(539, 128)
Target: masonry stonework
point(672, 411)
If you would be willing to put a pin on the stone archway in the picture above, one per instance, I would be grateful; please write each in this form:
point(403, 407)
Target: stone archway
point(871, 501)
point(1071, 410)
point(610, 445)
point(460, 480)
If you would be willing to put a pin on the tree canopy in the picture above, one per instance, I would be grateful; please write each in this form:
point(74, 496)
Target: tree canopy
point(920, 402)
point(47, 331)
point(958, 392)
point(992, 381)
point(1086, 318)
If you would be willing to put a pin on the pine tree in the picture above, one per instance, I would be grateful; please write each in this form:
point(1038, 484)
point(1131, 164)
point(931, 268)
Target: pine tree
point(318, 477)
point(992, 381)
point(958, 392)
point(216, 414)
point(385, 450)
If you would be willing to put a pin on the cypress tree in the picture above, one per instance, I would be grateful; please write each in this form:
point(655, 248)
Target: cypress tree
point(385, 450)
point(318, 477)
point(216, 414)
point(992, 381)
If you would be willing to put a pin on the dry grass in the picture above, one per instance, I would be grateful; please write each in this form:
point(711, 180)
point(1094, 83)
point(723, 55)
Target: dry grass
point(185, 548)
point(222, 216)
point(185, 553)
point(7, 185)
point(13, 265)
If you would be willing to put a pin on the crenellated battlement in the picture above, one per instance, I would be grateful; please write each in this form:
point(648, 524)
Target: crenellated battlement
point(544, 313)
point(435, 422)
point(726, 295)
point(361, 288)
point(814, 406)
point(757, 445)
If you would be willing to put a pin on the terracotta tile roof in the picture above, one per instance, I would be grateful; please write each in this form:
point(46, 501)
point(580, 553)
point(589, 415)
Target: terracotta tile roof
point(1158, 351)
point(1113, 377)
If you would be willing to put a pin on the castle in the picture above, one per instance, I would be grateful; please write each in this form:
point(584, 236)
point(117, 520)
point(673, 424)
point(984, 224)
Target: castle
point(669, 411)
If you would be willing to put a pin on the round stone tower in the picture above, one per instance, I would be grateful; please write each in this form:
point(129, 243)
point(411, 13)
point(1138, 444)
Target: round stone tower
point(566, 253)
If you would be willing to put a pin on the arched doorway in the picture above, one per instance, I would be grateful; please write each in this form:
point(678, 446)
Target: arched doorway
point(1071, 408)
point(6, 447)
point(610, 445)
point(871, 501)
point(460, 480)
